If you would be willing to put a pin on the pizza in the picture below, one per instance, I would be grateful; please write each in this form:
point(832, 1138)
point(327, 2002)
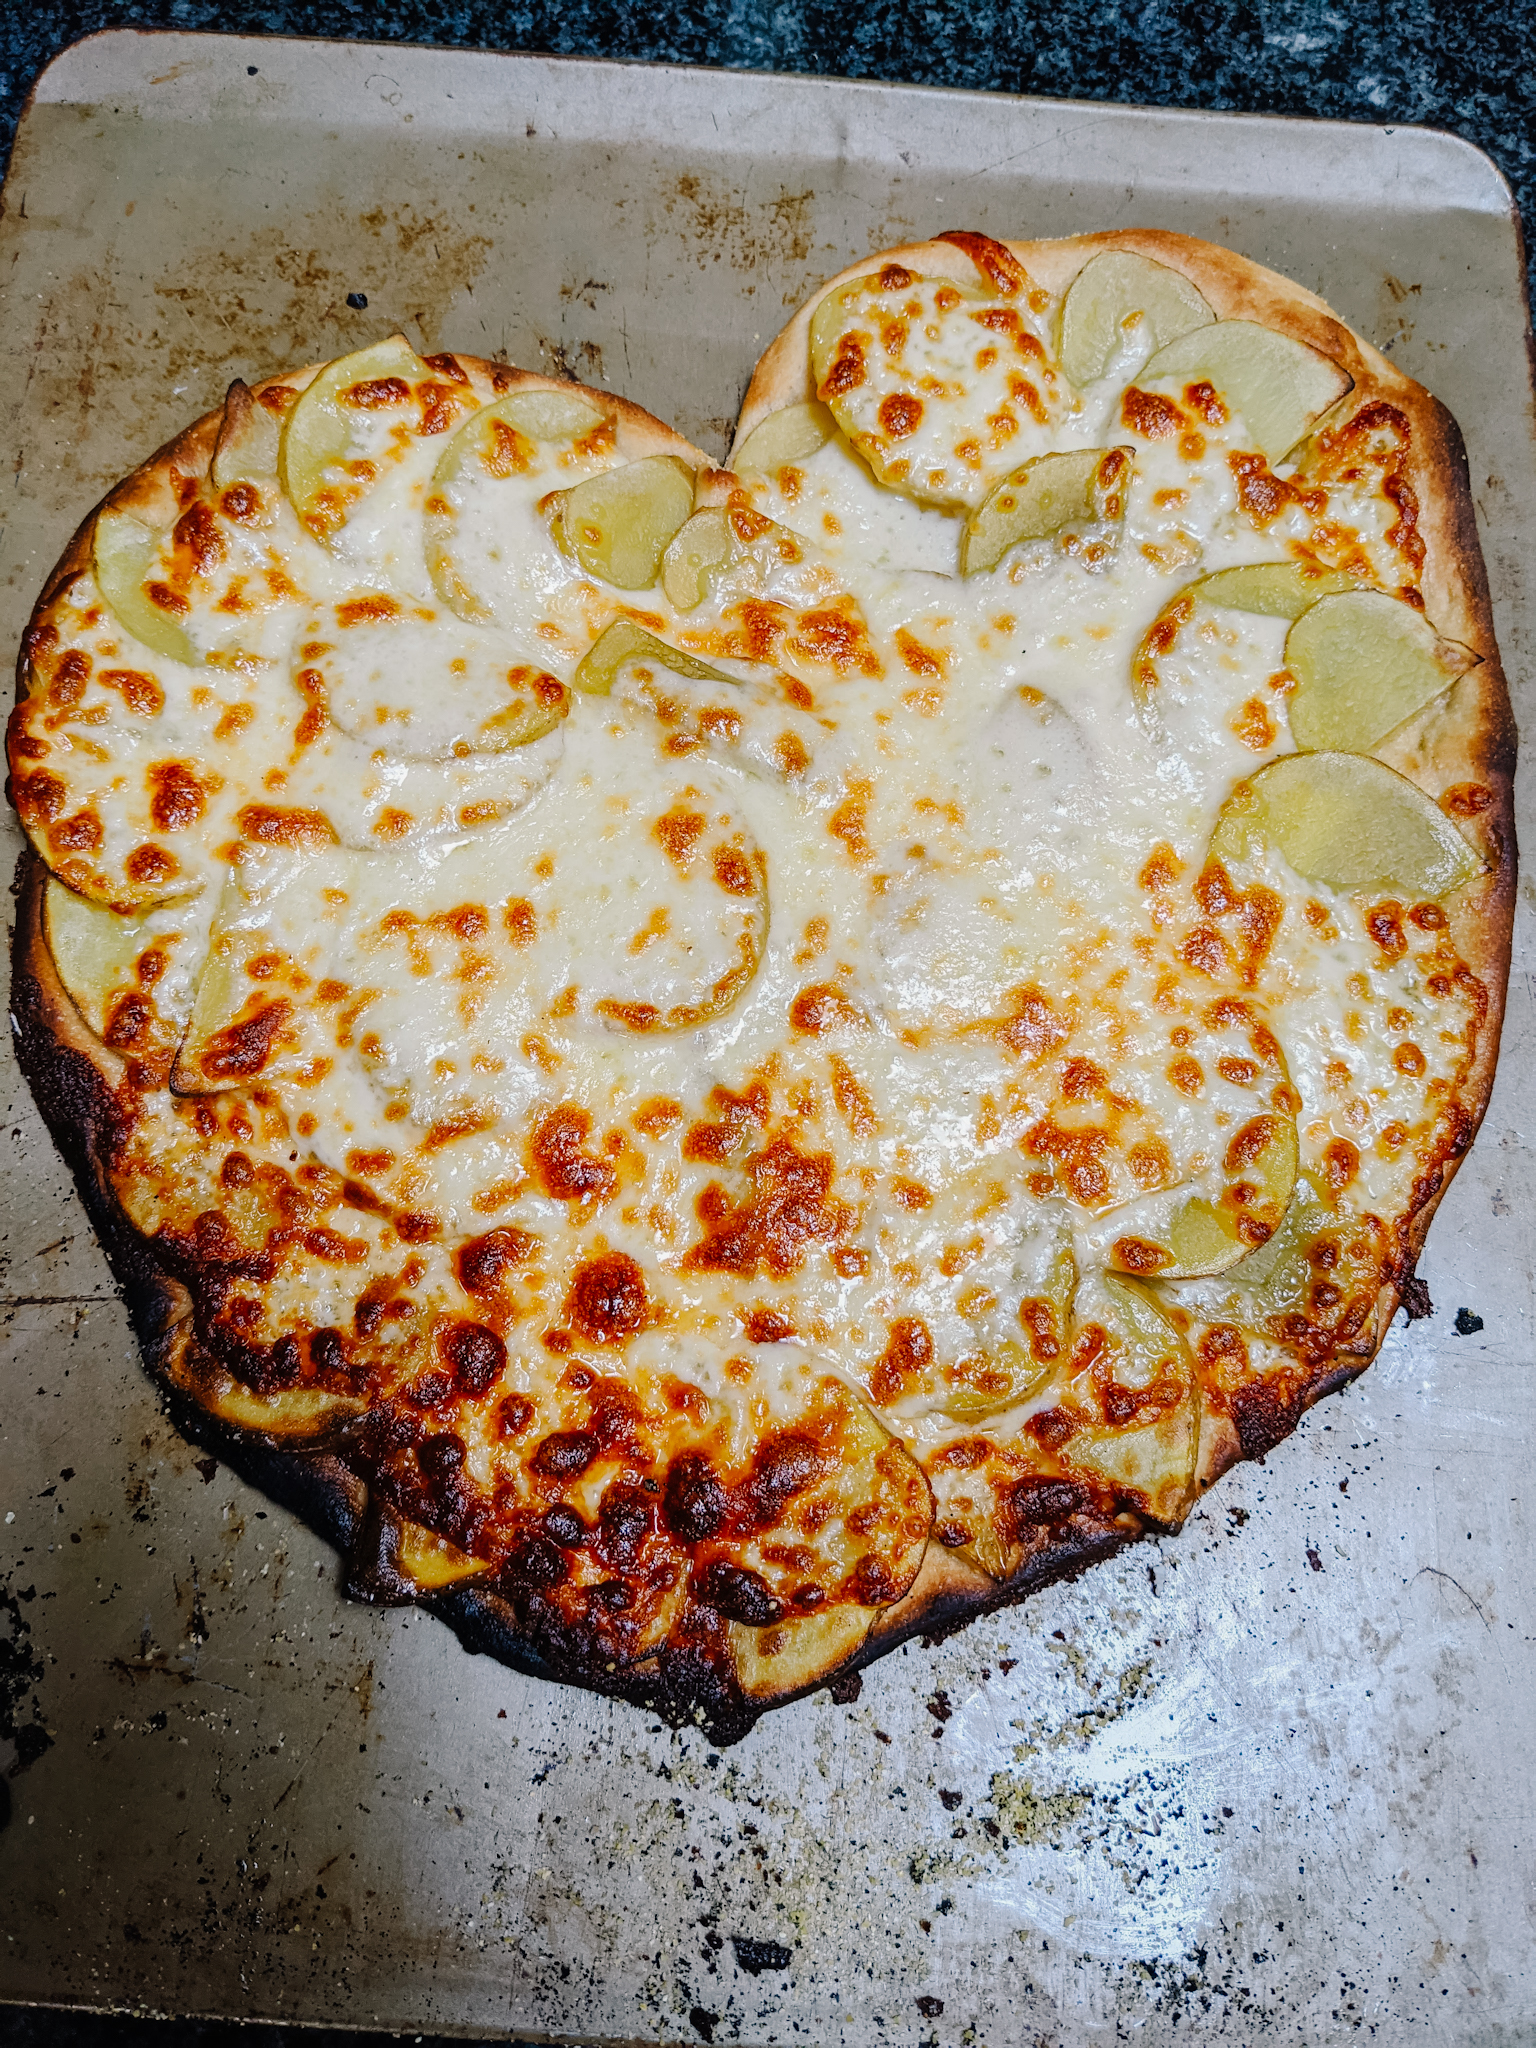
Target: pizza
point(712, 1067)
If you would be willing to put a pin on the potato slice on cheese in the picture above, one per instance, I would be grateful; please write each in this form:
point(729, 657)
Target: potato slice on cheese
point(1120, 300)
point(623, 643)
point(130, 976)
point(698, 552)
point(1140, 1391)
point(784, 438)
point(349, 427)
point(1349, 821)
point(1045, 500)
point(422, 686)
point(619, 525)
point(125, 555)
point(1280, 590)
point(1364, 662)
point(433, 1563)
point(789, 1655)
point(941, 388)
point(499, 463)
point(1279, 386)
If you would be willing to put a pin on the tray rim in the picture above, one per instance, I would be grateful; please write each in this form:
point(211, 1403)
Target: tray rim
point(1442, 140)
point(1192, 117)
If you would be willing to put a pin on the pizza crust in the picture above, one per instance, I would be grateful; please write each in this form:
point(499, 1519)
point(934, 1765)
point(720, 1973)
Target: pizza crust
point(75, 1077)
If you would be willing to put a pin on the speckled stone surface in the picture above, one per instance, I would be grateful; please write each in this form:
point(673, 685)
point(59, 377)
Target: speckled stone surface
point(1465, 68)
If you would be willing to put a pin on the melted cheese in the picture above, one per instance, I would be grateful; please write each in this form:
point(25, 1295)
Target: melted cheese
point(842, 1014)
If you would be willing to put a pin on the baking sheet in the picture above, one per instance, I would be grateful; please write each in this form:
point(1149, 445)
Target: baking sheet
point(1268, 1779)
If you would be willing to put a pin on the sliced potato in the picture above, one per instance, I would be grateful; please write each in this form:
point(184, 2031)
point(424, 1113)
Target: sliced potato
point(789, 435)
point(242, 1028)
point(1042, 498)
point(124, 550)
point(1047, 1281)
point(317, 453)
point(93, 948)
point(624, 642)
point(1278, 590)
point(247, 446)
point(1347, 820)
point(296, 1414)
point(1260, 1169)
point(1364, 662)
point(1009, 1375)
point(501, 440)
point(791, 1654)
point(701, 548)
point(860, 1528)
point(1279, 386)
point(1272, 1274)
point(1149, 1463)
point(545, 415)
point(618, 525)
point(1110, 293)
point(431, 1562)
point(541, 416)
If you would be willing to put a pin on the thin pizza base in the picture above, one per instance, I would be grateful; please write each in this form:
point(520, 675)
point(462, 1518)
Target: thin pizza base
point(75, 1077)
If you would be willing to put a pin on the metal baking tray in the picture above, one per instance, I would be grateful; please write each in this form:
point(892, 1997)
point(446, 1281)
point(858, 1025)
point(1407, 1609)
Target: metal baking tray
point(1270, 1779)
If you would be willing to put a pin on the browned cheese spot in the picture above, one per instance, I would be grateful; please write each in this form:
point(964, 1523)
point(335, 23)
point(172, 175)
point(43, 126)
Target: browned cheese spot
point(1384, 922)
point(140, 692)
point(608, 1300)
point(1153, 417)
point(789, 1210)
point(243, 1048)
point(270, 825)
point(846, 371)
point(177, 798)
point(1466, 799)
point(377, 394)
point(907, 1356)
point(677, 832)
point(360, 611)
point(564, 1171)
point(899, 414)
point(822, 1008)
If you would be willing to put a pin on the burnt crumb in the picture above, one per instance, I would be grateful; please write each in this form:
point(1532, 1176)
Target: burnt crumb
point(1416, 1301)
point(950, 1800)
point(755, 1956)
point(1006, 1664)
point(703, 2023)
point(1314, 1560)
point(939, 1706)
point(358, 301)
point(846, 1687)
point(1467, 1323)
point(929, 2006)
point(31, 1739)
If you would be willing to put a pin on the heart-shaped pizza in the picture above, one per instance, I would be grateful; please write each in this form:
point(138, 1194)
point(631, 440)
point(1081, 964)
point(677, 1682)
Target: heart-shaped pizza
point(710, 1067)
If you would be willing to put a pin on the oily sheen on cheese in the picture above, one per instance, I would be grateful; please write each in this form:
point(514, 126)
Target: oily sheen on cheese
point(743, 1057)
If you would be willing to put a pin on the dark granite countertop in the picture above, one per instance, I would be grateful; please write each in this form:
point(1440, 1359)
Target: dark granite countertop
point(1398, 62)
